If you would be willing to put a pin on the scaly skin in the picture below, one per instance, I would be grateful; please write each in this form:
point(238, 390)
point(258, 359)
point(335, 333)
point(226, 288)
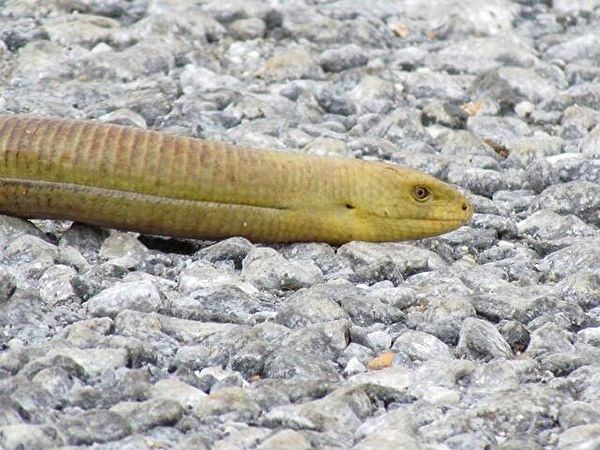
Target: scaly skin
point(133, 179)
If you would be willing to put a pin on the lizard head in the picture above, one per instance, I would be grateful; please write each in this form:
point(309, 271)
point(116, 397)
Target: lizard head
point(394, 203)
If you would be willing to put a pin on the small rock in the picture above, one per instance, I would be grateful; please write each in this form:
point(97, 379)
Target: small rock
point(381, 361)
point(479, 339)
point(156, 412)
point(285, 440)
point(343, 58)
point(81, 29)
point(186, 395)
point(445, 114)
point(540, 175)
point(95, 426)
point(582, 288)
point(291, 63)
point(580, 198)
point(233, 403)
point(581, 47)
point(245, 29)
point(141, 296)
point(421, 346)
point(582, 437)
point(21, 436)
point(314, 305)
point(8, 284)
point(233, 249)
point(55, 285)
point(549, 338)
point(265, 268)
point(515, 334)
point(590, 144)
point(125, 250)
point(567, 261)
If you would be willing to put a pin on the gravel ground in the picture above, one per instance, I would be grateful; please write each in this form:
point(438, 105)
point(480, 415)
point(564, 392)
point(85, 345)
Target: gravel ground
point(488, 337)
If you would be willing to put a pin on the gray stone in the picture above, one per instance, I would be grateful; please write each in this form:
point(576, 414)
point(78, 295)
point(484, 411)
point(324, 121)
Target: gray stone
point(503, 375)
point(89, 427)
point(244, 29)
point(58, 381)
point(522, 305)
point(219, 304)
point(215, 378)
point(584, 94)
point(30, 256)
point(528, 84)
point(387, 432)
point(232, 249)
point(547, 225)
point(582, 437)
point(141, 296)
point(580, 198)
point(445, 114)
point(341, 411)
point(81, 29)
point(374, 95)
point(479, 181)
point(589, 336)
point(286, 364)
point(315, 305)
point(343, 58)
point(285, 440)
point(549, 338)
point(498, 130)
point(577, 121)
point(242, 436)
point(567, 261)
point(503, 226)
point(55, 285)
point(200, 275)
point(155, 412)
point(479, 54)
point(366, 311)
point(124, 116)
point(514, 201)
point(581, 47)
point(186, 395)
point(515, 334)
point(581, 287)
point(233, 403)
point(529, 405)
point(428, 84)
point(421, 346)
point(144, 58)
point(334, 102)
point(442, 317)
point(376, 262)
point(326, 340)
point(34, 437)
point(590, 144)
point(265, 268)
point(123, 249)
point(89, 361)
point(579, 413)
point(8, 284)
point(291, 63)
point(479, 339)
point(541, 174)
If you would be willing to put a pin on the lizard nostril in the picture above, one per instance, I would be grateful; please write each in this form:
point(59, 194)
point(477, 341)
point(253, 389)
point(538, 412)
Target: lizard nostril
point(465, 206)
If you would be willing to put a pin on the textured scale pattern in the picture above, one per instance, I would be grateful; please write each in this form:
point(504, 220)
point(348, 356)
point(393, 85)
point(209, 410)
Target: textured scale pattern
point(134, 179)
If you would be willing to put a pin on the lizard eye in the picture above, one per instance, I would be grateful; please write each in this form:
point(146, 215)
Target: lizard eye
point(421, 193)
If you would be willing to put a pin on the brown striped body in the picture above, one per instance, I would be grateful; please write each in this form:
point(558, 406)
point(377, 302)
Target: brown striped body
point(133, 179)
